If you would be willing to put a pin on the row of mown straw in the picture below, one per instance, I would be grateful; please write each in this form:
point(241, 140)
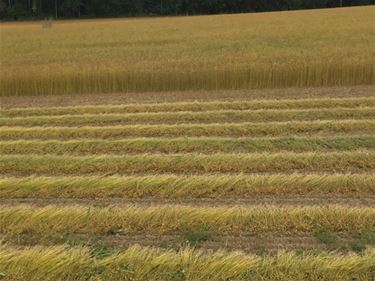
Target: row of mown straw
point(188, 145)
point(220, 116)
point(192, 130)
point(172, 186)
point(192, 106)
point(169, 219)
point(24, 165)
point(145, 264)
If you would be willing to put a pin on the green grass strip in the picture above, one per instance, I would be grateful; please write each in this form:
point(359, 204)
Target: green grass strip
point(144, 264)
point(359, 161)
point(193, 106)
point(220, 116)
point(190, 130)
point(174, 186)
point(184, 145)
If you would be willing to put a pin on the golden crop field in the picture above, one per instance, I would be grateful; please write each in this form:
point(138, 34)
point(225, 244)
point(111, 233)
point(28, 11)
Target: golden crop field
point(219, 182)
point(297, 48)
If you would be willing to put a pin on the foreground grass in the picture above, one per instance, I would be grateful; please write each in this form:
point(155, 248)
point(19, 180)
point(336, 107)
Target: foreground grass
point(192, 106)
point(144, 264)
point(170, 219)
point(184, 145)
point(281, 49)
point(359, 161)
point(192, 117)
point(172, 186)
point(348, 127)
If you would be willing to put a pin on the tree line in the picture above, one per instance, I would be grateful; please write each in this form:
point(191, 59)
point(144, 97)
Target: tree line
point(37, 9)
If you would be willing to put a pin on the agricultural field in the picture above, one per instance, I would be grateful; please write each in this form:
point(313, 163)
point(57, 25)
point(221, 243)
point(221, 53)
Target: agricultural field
point(329, 47)
point(108, 171)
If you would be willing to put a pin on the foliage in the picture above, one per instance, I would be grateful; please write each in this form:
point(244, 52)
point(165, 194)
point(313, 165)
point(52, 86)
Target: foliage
point(18, 9)
point(195, 237)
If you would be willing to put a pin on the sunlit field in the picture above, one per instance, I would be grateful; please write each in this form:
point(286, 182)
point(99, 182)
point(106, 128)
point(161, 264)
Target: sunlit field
point(206, 148)
point(280, 49)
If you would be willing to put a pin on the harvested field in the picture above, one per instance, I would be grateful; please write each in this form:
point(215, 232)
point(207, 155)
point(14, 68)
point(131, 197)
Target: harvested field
point(195, 187)
point(221, 116)
point(192, 106)
point(260, 176)
point(134, 264)
point(91, 99)
point(204, 145)
point(143, 174)
point(25, 165)
point(269, 129)
point(170, 219)
point(289, 200)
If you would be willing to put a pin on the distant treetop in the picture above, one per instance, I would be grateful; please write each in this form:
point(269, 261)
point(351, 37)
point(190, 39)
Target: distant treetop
point(37, 9)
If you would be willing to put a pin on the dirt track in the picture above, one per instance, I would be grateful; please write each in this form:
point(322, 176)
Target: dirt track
point(116, 98)
point(256, 244)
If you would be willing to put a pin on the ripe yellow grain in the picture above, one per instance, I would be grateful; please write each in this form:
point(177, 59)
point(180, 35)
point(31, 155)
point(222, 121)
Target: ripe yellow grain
point(281, 49)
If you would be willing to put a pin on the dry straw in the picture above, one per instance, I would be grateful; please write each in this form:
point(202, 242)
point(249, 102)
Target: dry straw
point(219, 116)
point(192, 106)
point(168, 219)
point(173, 186)
point(188, 145)
point(26, 165)
point(304, 128)
point(144, 264)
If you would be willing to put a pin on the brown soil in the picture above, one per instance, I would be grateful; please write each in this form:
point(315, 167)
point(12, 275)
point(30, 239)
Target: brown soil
point(257, 244)
point(116, 98)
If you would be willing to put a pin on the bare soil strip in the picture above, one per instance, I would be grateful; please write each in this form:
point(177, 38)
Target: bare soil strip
point(254, 244)
point(356, 102)
point(150, 97)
